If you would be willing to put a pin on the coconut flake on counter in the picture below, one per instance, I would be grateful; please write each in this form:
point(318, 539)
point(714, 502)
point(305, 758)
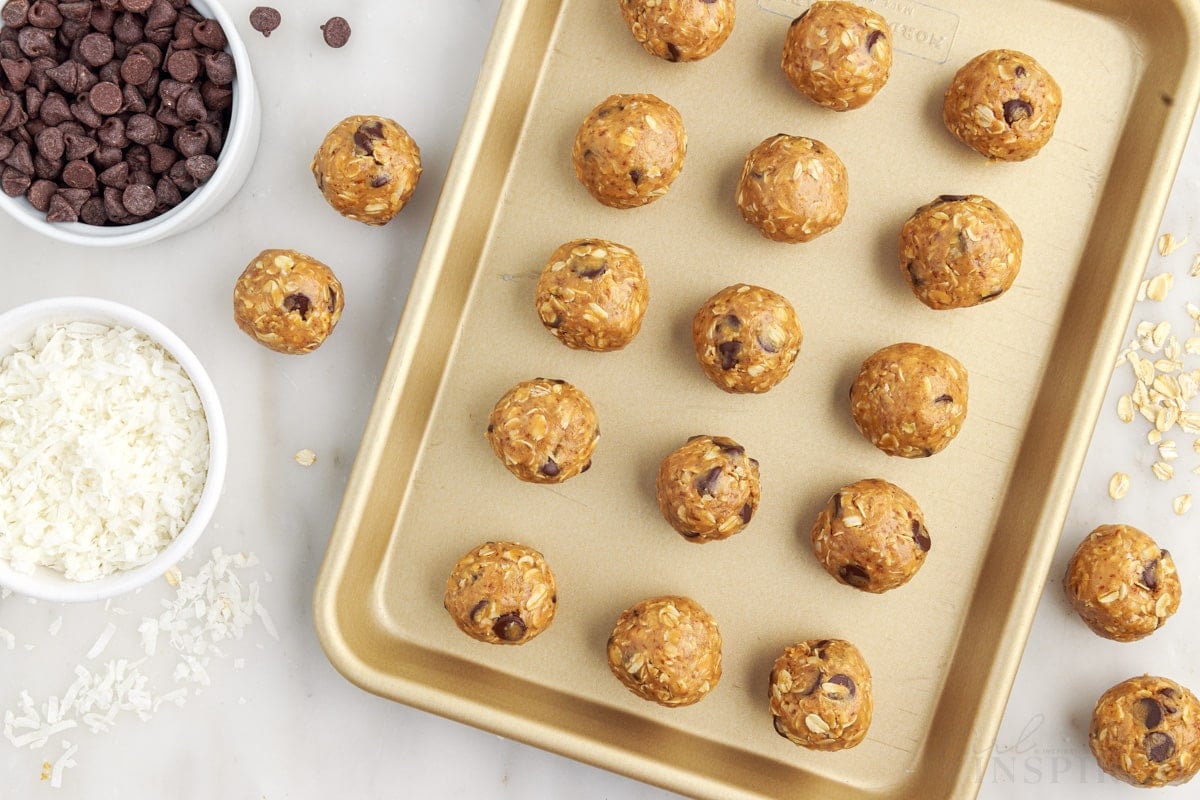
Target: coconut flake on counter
point(103, 450)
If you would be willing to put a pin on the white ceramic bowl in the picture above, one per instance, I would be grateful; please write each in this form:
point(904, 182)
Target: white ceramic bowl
point(233, 167)
point(16, 327)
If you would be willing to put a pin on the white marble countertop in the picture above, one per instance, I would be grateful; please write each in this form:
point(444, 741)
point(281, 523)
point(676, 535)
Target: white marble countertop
point(277, 721)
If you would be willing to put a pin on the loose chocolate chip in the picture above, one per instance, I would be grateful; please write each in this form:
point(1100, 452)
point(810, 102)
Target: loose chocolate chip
point(136, 69)
point(943, 398)
point(729, 352)
point(148, 51)
point(1020, 72)
point(92, 212)
point(706, 484)
point(873, 39)
point(190, 142)
point(112, 133)
point(14, 183)
point(169, 118)
point(5, 104)
point(162, 15)
point(47, 169)
point(105, 157)
point(265, 19)
point(96, 49)
point(672, 52)
point(184, 66)
point(550, 469)
point(921, 536)
point(854, 575)
point(837, 506)
point(181, 178)
point(116, 176)
point(133, 103)
point(1150, 575)
point(106, 98)
point(1159, 746)
point(127, 29)
point(336, 32)
point(17, 71)
point(509, 627)
point(51, 143)
point(201, 167)
point(746, 513)
point(66, 75)
point(79, 175)
point(161, 158)
point(102, 18)
point(6, 146)
point(298, 303)
point(16, 116)
point(1017, 110)
point(209, 33)
point(365, 137)
point(220, 68)
point(15, 13)
point(635, 175)
point(137, 6)
point(1148, 712)
point(142, 129)
point(190, 106)
point(138, 199)
point(846, 682)
point(39, 194)
point(21, 158)
point(61, 211)
point(185, 34)
point(35, 42)
point(216, 98)
point(45, 14)
point(167, 193)
point(76, 197)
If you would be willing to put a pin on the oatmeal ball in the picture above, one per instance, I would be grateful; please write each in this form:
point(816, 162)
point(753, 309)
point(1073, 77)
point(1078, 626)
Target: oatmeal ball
point(793, 189)
point(367, 168)
point(501, 593)
point(544, 431)
point(909, 399)
point(666, 649)
point(680, 30)
point(1146, 731)
point(747, 338)
point(629, 149)
point(708, 489)
point(592, 295)
point(1003, 104)
point(1121, 583)
point(960, 251)
point(871, 535)
point(838, 55)
point(821, 694)
point(287, 301)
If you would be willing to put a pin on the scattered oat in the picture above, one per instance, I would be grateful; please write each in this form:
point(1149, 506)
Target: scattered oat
point(1167, 450)
point(1167, 244)
point(1182, 503)
point(1125, 408)
point(305, 457)
point(1163, 471)
point(1159, 286)
point(1118, 485)
point(1195, 273)
point(173, 575)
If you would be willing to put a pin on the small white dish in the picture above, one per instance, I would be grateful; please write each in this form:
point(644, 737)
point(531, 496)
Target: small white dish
point(16, 327)
point(233, 167)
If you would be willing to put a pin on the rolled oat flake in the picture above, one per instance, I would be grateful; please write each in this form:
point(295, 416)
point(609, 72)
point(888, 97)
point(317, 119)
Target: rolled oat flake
point(336, 32)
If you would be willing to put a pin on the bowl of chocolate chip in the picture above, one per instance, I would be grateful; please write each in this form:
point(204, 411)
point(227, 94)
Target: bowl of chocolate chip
point(122, 122)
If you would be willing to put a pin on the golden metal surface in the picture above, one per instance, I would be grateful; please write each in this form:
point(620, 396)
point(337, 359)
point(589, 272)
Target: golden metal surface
point(943, 649)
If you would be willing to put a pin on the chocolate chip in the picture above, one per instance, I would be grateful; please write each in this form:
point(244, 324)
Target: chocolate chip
point(1150, 575)
point(142, 129)
point(635, 175)
point(766, 342)
point(184, 66)
point(161, 158)
point(190, 106)
point(778, 723)
point(589, 272)
point(17, 71)
point(167, 193)
point(729, 352)
point(475, 609)
point(116, 176)
point(136, 69)
point(550, 469)
point(746, 513)
point(138, 199)
point(102, 18)
point(5, 104)
point(161, 15)
point(837, 506)
point(35, 42)
point(921, 536)
point(509, 627)
point(943, 398)
point(190, 142)
point(846, 682)
point(105, 157)
point(21, 158)
point(1019, 71)
point(14, 183)
point(138, 6)
point(1017, 110)
point(15, 13)
point(76, 197)
point(818, 679)
point(672, 55)
point(1159, 746)
point(51, 143)
point(209, 33)
point(127, 29)
point(265, 19)
point(336, 32)
point(1148, 712)
point(96, 49)
point(298, 303)
point(79, 175)
point(854, 575)
point(6, 146)
point(106, 98)
point(66, 75)
point(39, 194)
point(729, 448)
point(112, 133)
point(216, 98)
point(803, 14)
point(873, 39)
point(46, 168)
point(220, 68)
point(951, 198)
point(201, 167)
point(92, 212)
point(61, 211)
point(181, 178)
point(706, 484)
point(365, 137)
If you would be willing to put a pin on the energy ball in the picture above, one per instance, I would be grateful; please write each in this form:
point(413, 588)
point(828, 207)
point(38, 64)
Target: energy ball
point(909, 399)
point(680, 30)
point(871, 535)
point(592, 295)
point(666, 650)
point(708, 489)
point(960, 251)
point(1003, 104)
point(747, 338)
point(544, 431)
point(793, 189)
point(287, 301)
point(367, 168)
point(501, 593)
point(629, 149)
point(1121, 583)
point(839, 55)
point(1146, 732)
point(820, 694)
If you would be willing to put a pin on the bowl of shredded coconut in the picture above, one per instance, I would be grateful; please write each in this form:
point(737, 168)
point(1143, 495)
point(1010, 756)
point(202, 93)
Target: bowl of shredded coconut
point(112, 449)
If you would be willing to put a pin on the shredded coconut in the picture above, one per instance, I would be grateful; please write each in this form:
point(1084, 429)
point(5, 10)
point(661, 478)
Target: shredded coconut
point(103, 450)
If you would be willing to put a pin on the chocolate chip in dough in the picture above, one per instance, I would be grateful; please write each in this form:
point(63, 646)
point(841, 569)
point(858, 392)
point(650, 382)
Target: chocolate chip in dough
point(1149, 712)
point(1159, 746)
point(509, 627)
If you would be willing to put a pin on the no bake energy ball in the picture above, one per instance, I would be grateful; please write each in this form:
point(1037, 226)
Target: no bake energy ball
point(708, 489)
point(960, 251)
point(793, 189)
point(820, 695)
point(287, 301)
point(1003, 104)
point(680, 30)
point(1121, 583)
point(871, 535)
point(666, 650)
point(910, 399)
point(839, 55)
point(367, 168)
point(1146, 732)
point(544, 431)
point(592, 295)
point(747, 338)
point(629, 150)
point(501, 593)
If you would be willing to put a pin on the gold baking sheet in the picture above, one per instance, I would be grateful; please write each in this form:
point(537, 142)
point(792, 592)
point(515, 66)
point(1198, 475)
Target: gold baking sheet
point(943, 649)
